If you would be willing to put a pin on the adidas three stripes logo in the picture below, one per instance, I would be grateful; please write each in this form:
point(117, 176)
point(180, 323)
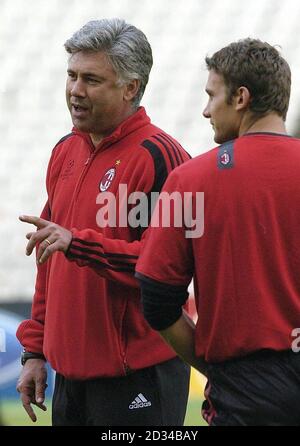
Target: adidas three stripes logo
point(139, 402)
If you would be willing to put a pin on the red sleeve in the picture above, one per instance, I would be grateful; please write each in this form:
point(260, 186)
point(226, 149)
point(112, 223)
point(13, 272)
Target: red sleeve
point(167, 254)
point(111, 258)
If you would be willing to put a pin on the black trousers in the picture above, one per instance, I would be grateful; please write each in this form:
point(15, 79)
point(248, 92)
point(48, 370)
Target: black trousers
point(154, 396)
point(261, 389)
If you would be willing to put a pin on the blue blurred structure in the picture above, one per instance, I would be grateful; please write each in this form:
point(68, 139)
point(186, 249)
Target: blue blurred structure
point(10, 352)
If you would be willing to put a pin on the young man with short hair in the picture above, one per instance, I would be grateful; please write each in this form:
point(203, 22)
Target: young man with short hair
point(246, 263)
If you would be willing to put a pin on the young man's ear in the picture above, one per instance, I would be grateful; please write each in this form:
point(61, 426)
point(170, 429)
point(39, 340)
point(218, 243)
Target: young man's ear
point(242, 98)
point(131, 89)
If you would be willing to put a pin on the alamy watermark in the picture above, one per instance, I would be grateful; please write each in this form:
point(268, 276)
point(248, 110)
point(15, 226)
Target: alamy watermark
point(179, 210)
point(2, 341)
point(296, 342)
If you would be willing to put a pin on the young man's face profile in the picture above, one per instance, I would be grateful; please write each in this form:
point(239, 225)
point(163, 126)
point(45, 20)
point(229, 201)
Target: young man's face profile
point(223, 116)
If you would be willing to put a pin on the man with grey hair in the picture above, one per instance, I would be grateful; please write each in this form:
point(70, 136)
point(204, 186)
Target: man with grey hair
point(112, 368)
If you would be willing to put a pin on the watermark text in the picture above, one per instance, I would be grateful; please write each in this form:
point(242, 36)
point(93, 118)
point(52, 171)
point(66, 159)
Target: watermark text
point(178, 210)
point(2, 341)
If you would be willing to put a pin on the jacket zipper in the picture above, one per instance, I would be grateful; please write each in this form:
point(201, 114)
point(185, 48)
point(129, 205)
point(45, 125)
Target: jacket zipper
point(87, 164)
point(93, 153)
point(83, 175)
point(127, 369)
point(122, 343)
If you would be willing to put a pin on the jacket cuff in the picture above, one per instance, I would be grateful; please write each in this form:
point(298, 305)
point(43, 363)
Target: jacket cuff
point(30, 334)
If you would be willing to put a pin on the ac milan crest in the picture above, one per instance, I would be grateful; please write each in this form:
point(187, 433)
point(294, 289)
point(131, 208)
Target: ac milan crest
point(225, 158)
point(107, 179)
point(226, 155)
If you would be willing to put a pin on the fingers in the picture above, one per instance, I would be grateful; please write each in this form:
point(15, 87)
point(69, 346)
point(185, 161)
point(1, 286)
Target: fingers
point(36, 221)
point(50, 237)
point(57, 241)
point(40, 406)
point(27, 401)
point(40, 387)
point(46, 250)
point(31, 385)
point(36, 237)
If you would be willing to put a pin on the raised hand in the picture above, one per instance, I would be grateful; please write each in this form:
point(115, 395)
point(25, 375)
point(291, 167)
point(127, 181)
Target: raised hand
point(49, 236)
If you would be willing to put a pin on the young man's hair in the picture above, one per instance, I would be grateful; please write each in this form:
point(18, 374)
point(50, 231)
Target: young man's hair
point(260, 68)
point(126, 47)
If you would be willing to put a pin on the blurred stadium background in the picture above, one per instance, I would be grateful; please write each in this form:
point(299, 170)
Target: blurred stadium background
point(34, 116)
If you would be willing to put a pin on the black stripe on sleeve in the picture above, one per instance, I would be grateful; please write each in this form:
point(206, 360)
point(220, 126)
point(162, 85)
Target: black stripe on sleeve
point(102, 264)
point(160, 174)
point(106, 254)
point(64, 139)
point(177, 145)
point(175, 148)
point(100, 254)
point(179, 148)
point(172, 162)
point(160, 167)
point(183, 150)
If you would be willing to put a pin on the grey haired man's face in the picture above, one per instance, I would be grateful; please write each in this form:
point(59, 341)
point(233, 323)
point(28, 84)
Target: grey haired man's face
point(94, 97)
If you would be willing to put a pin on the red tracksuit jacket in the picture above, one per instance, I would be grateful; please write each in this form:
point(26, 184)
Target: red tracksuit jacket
point(86, 313)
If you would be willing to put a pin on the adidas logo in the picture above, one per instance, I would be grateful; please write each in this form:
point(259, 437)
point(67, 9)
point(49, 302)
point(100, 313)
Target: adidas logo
point(139, 402)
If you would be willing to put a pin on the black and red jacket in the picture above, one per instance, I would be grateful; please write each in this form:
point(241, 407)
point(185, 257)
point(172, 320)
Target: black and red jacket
point(86, 313)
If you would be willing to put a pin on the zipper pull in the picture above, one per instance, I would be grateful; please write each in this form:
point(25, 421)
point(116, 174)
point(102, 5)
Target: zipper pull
point(87, 161)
